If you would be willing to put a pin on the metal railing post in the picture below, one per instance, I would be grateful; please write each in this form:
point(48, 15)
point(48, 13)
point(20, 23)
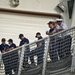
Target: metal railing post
point(73, 61)
point(21, 60)
point(45, 57)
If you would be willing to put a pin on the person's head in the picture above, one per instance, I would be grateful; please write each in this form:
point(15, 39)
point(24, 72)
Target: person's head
point(21, 36)
point(50, 24)
point(59, 21)
point(55, 24)
point(10, 41)
point(3, 41)
point(38, 34)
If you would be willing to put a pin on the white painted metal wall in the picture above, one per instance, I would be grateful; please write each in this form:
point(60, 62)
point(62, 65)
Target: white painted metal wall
point(45, 6)
point(11, 25)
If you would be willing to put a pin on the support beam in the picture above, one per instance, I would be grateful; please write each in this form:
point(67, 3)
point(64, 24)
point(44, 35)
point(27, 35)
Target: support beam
point(30, 13)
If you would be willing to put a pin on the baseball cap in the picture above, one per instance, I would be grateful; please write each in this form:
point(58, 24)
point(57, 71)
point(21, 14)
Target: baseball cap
point(38, 33)
point(50, 22)
point(10, 40)
point(20, 35)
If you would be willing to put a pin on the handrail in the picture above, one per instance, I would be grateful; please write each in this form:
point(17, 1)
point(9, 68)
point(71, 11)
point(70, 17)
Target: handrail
point(42, 39)
point(26, 45)
point(62, 31)
point(49, 45)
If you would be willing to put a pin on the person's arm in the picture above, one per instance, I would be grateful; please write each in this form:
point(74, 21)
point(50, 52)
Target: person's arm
point(26, 42)
point(40, 44)
point(7, 48)
point(51, 33)
point(11, 48)
point(3, 51)
point(59, 30)
point(63, 27)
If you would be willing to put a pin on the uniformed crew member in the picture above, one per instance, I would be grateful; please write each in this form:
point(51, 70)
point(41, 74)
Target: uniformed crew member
point(53, 27)
point(61, 24)
point(40, 48)
point(52, 51)
point(4, 48)
point(51, 31)
point(25, 41)
point(13, 62)
point(11, 44)
point(65, 39)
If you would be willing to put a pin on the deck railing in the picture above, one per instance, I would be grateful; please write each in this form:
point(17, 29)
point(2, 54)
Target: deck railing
point(55, 53)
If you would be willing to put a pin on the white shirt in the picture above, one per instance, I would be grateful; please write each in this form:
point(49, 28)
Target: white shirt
point(57, 27)
point(63, 26)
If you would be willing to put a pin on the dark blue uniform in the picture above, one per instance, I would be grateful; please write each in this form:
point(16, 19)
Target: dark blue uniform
point(40, 50)
point(51, 30)
point(13, 62)
point(27, 52)
point(12, 45)
point(53, 51)
point(24, 41)
point(4, 47)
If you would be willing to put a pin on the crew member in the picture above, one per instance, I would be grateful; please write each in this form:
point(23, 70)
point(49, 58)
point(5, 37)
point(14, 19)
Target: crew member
point(13, 62)
point(25, 41)
point(5, 48)
point(40, 48)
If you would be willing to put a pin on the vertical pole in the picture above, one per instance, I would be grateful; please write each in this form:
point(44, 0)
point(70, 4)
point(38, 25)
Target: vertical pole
point(21, 60)
point(73, 16)
point(73, 61)
point(45, 57)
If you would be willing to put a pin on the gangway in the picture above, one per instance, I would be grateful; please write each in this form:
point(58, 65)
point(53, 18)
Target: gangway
point(56, 56)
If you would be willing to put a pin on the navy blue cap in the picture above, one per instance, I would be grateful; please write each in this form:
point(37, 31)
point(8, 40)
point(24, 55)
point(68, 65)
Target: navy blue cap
point(3, 40)
point(38, 33)
point(21, 35)
point(50, 22)
point(10, 40)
